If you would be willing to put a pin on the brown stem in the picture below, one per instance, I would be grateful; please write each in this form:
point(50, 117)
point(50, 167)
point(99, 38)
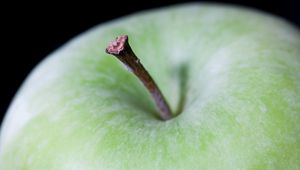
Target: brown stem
point(121, 49)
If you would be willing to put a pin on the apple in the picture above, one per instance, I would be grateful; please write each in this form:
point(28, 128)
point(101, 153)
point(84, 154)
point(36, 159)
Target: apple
point(231, 76)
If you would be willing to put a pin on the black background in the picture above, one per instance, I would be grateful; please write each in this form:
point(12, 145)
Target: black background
point(30, 31)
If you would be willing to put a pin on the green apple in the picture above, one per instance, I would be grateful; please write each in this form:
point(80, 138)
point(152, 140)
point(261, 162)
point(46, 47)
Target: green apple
point(233, 72)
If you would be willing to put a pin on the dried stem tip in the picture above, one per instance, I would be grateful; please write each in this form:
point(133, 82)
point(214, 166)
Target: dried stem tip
point(121, 49)
point(116, 46)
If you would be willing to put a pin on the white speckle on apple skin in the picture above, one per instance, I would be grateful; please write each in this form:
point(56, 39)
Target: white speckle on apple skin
point(263, 108)
point(80, 109)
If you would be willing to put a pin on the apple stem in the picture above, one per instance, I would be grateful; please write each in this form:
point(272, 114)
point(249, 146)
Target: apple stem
point(121, 49)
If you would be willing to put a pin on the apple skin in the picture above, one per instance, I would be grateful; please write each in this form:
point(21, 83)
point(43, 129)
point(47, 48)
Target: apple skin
point(238, 70)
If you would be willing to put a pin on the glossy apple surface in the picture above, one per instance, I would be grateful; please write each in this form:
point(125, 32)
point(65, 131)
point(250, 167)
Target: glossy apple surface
point(237, 72)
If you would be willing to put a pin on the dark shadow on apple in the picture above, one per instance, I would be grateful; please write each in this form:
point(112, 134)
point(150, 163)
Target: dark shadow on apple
point(139, 99)
point(144, 102)
point(183, 81)
point(146, 106)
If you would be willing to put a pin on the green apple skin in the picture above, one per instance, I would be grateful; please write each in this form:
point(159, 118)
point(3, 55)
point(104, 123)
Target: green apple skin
point(238, 70)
